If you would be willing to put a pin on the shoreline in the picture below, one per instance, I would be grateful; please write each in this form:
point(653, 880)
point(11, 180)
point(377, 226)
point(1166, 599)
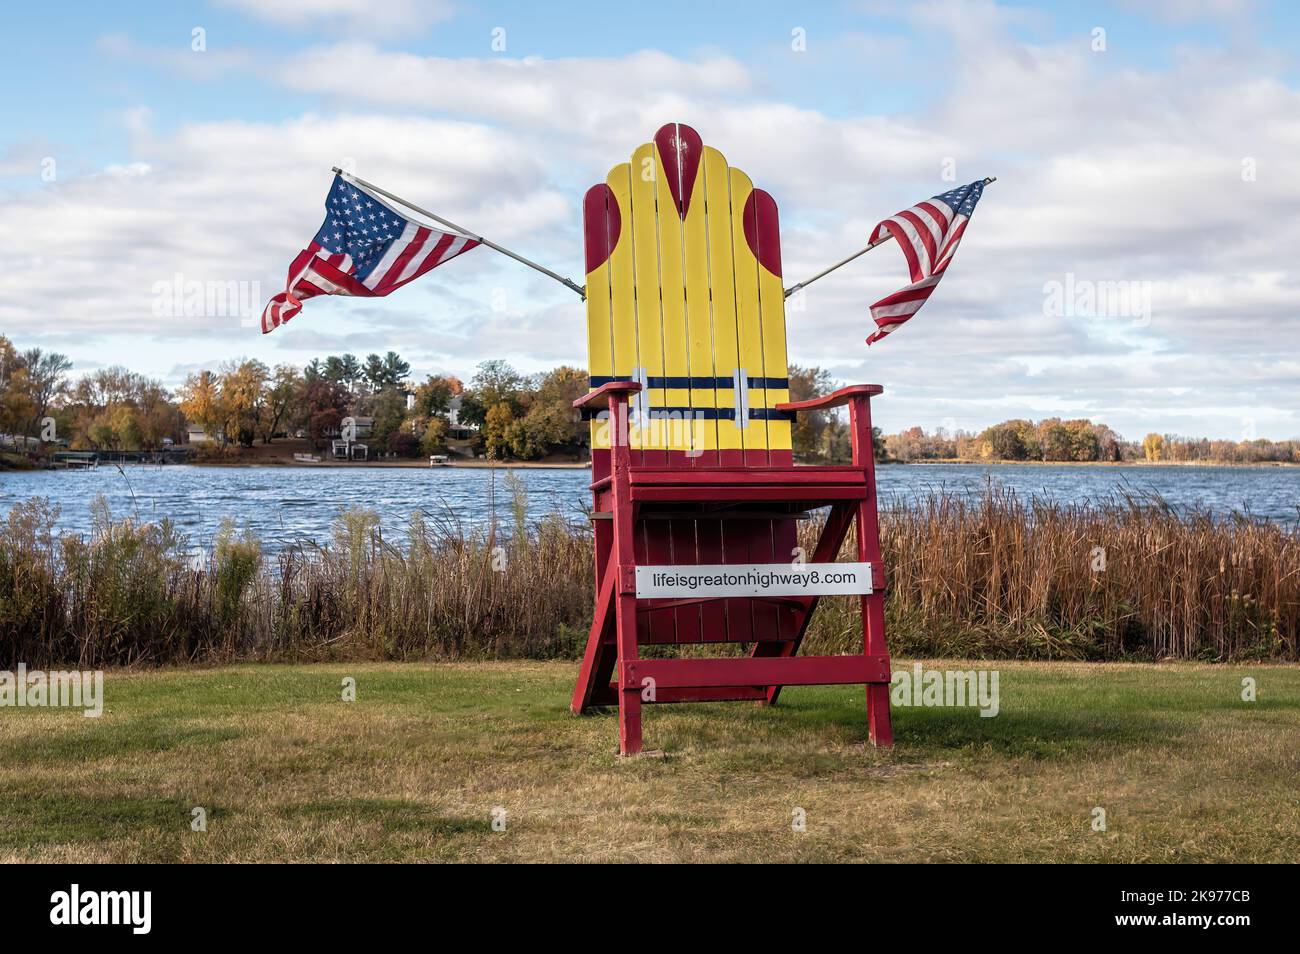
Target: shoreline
point(1100, 463)
point(392, 464)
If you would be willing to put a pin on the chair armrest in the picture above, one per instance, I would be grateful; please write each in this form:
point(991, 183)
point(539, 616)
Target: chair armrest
point(611, 391)
point(834, 399)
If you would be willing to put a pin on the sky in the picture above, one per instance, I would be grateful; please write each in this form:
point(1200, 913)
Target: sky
point(1134, 263)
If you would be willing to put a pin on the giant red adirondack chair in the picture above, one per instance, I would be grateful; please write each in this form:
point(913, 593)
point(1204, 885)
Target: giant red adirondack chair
point(691, 443)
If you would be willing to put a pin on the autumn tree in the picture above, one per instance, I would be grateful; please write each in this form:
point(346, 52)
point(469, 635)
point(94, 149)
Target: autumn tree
point(433, 439)
point(496, 430)
point(242, 386)
point(201, 403)
point(435, 395)
point(278, 397)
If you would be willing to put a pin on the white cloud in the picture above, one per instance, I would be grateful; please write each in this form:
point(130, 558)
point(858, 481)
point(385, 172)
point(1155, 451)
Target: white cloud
point(588, 96)
point(1107, 172)
point(390, 18)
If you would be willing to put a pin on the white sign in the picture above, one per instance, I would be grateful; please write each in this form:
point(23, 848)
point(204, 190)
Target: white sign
point(753, 579)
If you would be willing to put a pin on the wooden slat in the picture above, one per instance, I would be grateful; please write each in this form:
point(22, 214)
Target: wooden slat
point(684, 552)
point(734, 538)
point(674, 434)
point(622, 293)
point(760, 671)
point(748, 322)
point(804, 495)
point(708, 548)
point(649, 312)
point(774, 475)
point(600, 334)
point(699, 321)
point(722, 290)
point(771, 297)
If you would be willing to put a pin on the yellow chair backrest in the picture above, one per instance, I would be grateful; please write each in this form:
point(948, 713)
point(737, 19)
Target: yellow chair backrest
point(684, 294)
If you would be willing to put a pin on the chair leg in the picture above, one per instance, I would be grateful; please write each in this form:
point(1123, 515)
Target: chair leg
point(621, 574)
point(873, 622)
point(629, 697)
point(878, 725)
point(629, 722)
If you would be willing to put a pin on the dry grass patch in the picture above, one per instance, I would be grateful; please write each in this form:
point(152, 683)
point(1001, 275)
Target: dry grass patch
point(413, 770)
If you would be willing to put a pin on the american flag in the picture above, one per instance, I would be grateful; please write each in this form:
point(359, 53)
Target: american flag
point(364, 248)
point(928, 233)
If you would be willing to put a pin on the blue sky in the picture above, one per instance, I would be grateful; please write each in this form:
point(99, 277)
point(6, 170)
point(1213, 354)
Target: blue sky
point(1125, 164)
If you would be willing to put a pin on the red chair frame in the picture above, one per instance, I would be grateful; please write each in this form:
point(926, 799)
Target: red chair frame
point(612, 671)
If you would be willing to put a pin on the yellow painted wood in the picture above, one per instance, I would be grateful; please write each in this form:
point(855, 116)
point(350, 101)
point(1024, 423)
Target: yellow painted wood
point(699, 318)
point(722, 283)
point(749, 328)
point(674, 433)
point(610, 294)
point(771, 296)
point(645, 267)
point(688, 299)
point(622, 278)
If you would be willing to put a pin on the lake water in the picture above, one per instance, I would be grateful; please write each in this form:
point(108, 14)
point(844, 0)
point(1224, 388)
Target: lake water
point(283, 504)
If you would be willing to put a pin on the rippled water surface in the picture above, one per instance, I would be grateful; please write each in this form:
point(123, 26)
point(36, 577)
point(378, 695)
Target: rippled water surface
point(284, 503)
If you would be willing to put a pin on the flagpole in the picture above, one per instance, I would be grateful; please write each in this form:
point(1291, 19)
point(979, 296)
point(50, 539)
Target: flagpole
point(826, 271)
point(582, 292)
point(862, 251)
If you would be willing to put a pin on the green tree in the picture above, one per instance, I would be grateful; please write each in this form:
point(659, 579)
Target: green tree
point(809, 432)
point(496, 382)
point(434, 438)
point(278, 397)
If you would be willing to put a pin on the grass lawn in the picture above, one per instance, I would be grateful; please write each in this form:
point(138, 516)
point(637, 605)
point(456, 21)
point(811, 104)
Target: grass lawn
point(411, 771)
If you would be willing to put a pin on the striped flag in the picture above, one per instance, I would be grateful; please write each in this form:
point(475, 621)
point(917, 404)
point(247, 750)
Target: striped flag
point(928, 233)
point(365, 248)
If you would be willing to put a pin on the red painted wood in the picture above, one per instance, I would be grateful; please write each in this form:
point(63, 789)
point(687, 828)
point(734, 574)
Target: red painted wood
point(783, 476)
point(601, 224)
point(680, 150)
point(734, 536)
point(853, 392)
point(762, 231)
point(662, 623)
point(708, 549)
point(785, 537)
point(684, 551)
point(751, 671)
point(873, 606)
point(808, 494)
point(629, 702)
point(607, 395)
point(767, 622)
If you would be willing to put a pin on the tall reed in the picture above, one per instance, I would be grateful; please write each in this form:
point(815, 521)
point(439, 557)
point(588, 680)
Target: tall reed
point(991, 576)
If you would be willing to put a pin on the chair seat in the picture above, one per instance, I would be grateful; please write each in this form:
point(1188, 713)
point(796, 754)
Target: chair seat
point(811, 485)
